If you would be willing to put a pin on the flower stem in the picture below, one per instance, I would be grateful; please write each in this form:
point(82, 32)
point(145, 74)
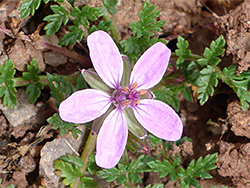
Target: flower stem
point(88, 149)
point(127, 183)
point(113, 27)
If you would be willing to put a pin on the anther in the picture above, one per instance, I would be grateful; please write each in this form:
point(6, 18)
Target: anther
point(142, 92)
point(126, 102)
point(136, 102)
point(125, 90)
point(133, 86)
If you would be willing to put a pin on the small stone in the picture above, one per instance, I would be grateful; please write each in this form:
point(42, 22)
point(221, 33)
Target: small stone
point(3, 58)
point(23, 53)
point(52, 151)
point(19, 55)
point(54, 59)
point(22, 113)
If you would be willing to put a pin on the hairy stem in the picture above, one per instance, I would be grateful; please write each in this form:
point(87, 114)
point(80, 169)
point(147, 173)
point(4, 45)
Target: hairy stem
point(113, 27)
point(224, 78)
point(193, 57)
point(20, 82)
point(88, 149)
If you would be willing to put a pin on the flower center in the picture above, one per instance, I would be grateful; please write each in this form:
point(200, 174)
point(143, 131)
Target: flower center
point(127, 96)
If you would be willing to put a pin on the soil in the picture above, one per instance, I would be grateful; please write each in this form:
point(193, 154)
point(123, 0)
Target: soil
point(218, 126)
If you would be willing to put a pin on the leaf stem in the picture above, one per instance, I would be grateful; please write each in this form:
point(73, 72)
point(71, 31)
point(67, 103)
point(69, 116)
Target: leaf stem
point(20, 82)
point(190, 58)
point(224, 79)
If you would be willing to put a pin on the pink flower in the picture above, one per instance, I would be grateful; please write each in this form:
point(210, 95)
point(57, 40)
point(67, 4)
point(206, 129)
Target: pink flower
point(86, 105)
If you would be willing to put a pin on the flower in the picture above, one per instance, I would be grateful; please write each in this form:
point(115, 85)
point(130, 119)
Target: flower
point(122, 102)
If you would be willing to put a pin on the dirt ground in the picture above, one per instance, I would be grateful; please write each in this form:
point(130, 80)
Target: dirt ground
point(218, 126)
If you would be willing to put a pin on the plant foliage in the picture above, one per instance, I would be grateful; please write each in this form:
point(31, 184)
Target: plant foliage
point(69, 168)
point(34, 88)
point(60, 87)
point(129, 171)
point(7, 88)
point(186, 177)
point(64, 127)
point(81, 18)
point(240, 84)
point(143, 32)
point(60, 16)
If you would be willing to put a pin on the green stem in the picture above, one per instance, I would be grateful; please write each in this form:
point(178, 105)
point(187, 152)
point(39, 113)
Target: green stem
point(192, 57)
point(88, 149)
point(127, 183)
point(225, 79)
point(113, 27)
point(20, 82)
point(67, 5)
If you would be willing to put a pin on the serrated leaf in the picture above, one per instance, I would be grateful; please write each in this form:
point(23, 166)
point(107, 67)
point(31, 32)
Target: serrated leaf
point(69, 170)
point(110, 5)
point(182, 52)
point(105, 26)
point(60, 87)
point(211, 54)
point(87, 182)
point(55, 20)
point(32, 71)
point(85, 15)
point(7, 89)
point(143, 31)
point(69, 39)
point(80, 83)
point(206, 82)
point(28, 7)
point(64, 127)
point(240, 84)
point(34, 91)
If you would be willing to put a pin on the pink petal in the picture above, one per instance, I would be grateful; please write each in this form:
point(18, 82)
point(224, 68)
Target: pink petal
point(151, 66)
point(111, 139)
point(159, 119)
point(106, 58)
point(84, 106)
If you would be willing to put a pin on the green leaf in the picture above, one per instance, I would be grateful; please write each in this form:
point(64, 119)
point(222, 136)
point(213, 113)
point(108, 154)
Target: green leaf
point(80, 83)
point(61, 15)
point(70, 169)
point(198, 168)
point(240, 84)
point(132, 169)
point(87, 182)
point(34, 91)
point(210, 54)
point(169, 94)
point(60, 87)
point(206, 82)
point(182, 52)
point(105, 26)
point(69, 39)
point(7, 89)
point(110, 5)
point(155, 186)
point(143, 31)
point(28, 7)
point(64, 127)
point(33, 71)
point(85, 15)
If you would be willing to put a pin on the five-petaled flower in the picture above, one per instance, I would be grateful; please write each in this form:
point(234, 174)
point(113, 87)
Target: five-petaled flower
point(86, 105)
